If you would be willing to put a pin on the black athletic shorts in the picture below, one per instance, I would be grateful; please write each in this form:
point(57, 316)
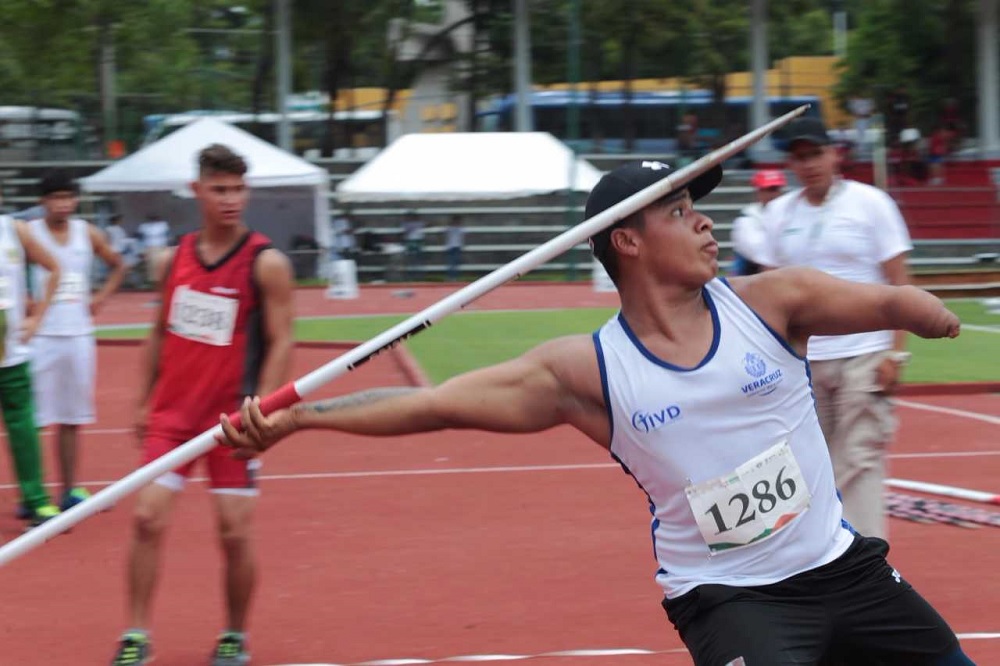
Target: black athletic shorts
point(854, 611)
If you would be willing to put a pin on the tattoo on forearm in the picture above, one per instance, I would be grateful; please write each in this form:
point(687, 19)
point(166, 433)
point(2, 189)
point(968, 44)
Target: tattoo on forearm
point(356, 399)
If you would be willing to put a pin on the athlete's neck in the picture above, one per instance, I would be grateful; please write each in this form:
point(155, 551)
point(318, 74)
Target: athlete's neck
point(56, 223)
point(216, 235)
point(667, 312)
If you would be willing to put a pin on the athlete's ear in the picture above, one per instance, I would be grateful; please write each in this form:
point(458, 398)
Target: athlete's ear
point(623, 239)
point(196, 188)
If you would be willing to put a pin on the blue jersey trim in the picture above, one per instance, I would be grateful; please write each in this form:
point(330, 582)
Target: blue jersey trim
point(652, 507)
point(843, 521)
point(784, 343)
point(651, 357)
point(605, 390)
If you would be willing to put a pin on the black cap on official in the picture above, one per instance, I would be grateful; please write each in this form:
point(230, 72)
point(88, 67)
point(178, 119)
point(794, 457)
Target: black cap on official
point(624, 181)
point(806, 128)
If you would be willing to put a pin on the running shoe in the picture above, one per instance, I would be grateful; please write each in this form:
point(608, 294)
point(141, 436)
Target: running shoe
point(73, 497)
point(133, 650)
point(43, 513)
point(231, 650)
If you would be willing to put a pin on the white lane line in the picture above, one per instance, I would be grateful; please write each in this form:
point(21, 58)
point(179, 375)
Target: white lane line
point(975, 416)
point(980, 328)
point(438, 471)
point(567, 654)
point(481, 658)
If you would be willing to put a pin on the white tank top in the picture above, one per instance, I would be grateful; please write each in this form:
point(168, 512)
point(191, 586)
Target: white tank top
point(69, 313)
point(729, 453)
point(12, 293)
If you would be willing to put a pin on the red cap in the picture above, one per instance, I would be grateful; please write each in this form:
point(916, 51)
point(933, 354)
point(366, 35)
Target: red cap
point(768, 178)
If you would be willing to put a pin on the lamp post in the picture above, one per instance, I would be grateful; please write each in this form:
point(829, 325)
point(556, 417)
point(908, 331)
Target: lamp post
point(523, 120)
point(283, 48)
point(572, 121)
point(839, 29)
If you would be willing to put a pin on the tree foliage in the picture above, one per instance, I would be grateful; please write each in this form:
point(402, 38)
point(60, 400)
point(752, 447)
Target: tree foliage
point(926, 47)
point(168, 60)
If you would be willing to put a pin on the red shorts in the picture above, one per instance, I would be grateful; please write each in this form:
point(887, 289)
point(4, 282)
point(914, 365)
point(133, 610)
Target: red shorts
point(224, 471)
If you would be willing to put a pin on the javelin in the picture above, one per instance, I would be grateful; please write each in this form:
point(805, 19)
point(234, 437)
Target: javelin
point(292, 392)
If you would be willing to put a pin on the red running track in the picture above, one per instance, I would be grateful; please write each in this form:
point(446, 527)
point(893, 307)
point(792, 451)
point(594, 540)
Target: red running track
point(439, 545)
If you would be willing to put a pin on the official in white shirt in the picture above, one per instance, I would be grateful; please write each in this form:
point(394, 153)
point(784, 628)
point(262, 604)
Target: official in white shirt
point(855, 232)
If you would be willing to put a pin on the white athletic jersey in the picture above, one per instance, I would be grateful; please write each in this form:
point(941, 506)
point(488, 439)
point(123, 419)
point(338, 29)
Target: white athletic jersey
point(729, 453)
point(12, 292)
point(856, 229)
point(69, 313)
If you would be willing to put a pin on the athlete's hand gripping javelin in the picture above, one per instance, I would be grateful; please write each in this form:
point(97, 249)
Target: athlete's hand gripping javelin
point(259, 432)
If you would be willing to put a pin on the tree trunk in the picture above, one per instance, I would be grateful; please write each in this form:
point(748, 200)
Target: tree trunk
point(265, 63)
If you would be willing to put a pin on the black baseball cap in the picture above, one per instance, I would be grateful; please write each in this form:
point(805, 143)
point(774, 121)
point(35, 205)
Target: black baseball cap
point(631, 177)
point(806, 128)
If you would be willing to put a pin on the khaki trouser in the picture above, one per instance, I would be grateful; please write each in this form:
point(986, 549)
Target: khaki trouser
point(151, 256)
point(858, 422)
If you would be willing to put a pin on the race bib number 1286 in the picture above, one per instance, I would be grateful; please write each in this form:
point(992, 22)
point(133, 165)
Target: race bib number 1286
point(206, 318)
point(754, 502)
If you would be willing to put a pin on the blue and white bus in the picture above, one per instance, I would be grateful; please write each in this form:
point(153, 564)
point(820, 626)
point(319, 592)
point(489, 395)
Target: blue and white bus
point(356, 132)
point(655, 117)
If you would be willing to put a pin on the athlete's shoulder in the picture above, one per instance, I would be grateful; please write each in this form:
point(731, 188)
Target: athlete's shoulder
point(272, 267)
point(572, 358)
point(259, 241)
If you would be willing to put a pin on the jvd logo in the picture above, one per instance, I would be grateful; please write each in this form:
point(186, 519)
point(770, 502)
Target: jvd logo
point(650, 421)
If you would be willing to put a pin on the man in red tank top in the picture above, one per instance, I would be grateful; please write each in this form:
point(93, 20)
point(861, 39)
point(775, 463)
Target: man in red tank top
point(223, 331)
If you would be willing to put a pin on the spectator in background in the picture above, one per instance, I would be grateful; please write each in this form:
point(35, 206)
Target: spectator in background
point(855, 232)
point(454, 240)
point(117, 239)
point(749, 237)
point(116, 234)
point(155, 236)
point(898, 114)
point(938, 147)
point(687, 137)
point(861, 107)
point(951, 119)
point(131, 254)
point(413, 240)
point(912, 169)
point(341, 235)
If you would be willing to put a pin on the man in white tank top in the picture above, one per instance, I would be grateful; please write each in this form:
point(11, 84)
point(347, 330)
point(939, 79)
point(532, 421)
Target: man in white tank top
point(65, 355)
point(17, 328)
point(700, 388)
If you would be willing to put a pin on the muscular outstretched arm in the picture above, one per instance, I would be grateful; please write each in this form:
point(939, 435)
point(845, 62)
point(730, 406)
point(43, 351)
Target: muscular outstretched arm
point(528, 394)
point(802, 302)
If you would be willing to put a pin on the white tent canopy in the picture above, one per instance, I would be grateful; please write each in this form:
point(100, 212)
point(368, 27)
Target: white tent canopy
point(169, 164)
point(149, 181)
point(468, 166)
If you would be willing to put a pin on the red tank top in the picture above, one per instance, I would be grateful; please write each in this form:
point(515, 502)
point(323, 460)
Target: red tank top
point(213, 347)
